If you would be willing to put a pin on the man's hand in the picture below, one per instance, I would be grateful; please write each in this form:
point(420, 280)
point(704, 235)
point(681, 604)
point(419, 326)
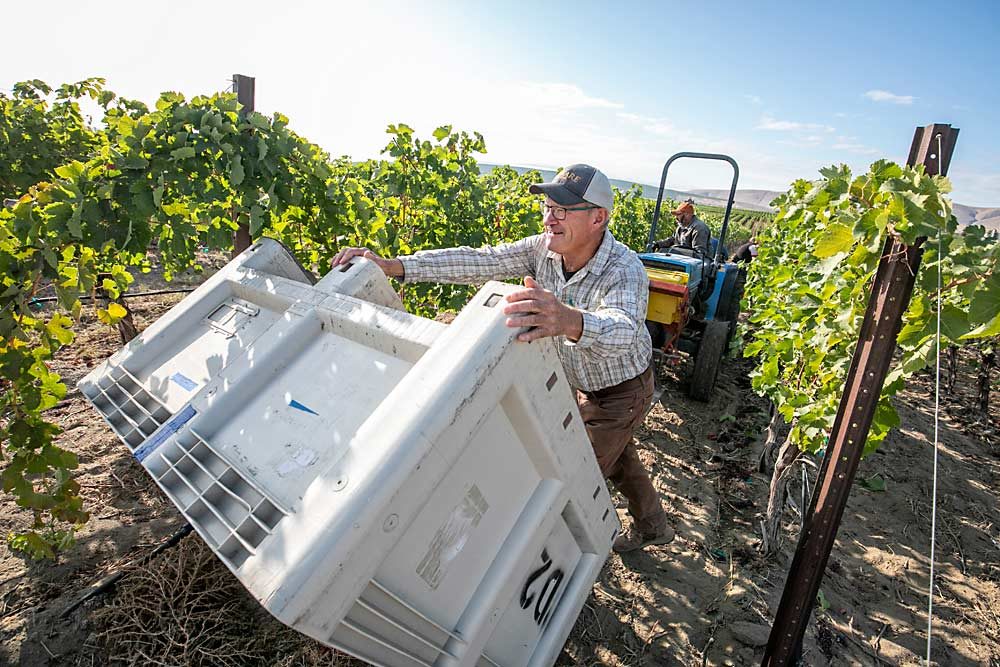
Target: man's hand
point(540, 309)
point(390, 267)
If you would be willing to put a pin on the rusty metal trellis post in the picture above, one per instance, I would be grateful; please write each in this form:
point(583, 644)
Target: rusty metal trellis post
point(891, 291)
point(243, 86)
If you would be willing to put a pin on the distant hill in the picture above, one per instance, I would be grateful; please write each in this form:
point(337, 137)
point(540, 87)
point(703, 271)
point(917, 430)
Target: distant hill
point(755, 200)
point(705, 197)
point(760, 200)
point(971, 215)
point(966, 215)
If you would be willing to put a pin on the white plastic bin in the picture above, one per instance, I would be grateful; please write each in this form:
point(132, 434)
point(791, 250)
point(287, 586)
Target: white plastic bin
point(363, 279)
point(409, 492)
point(156, 374)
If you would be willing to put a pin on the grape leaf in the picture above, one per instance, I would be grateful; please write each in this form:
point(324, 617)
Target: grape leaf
point(837, 239)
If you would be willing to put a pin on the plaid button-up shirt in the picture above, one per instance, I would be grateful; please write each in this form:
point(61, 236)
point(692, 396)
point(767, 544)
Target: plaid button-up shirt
point(612, 290)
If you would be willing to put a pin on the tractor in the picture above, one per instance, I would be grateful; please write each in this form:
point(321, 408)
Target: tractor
point(694, 300)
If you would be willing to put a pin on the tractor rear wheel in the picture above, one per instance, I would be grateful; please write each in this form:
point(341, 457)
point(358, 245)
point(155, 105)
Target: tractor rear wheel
point(708, 359)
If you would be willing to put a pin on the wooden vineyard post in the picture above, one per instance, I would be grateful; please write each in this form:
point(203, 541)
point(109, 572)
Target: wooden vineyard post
point(243, 86)
point(891, 291)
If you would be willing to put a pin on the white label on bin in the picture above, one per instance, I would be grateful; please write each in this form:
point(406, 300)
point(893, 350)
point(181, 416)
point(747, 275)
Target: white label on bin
point(451, 537)
point(301, 459)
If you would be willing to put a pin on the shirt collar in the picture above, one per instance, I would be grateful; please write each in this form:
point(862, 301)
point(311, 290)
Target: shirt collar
point(598, 262)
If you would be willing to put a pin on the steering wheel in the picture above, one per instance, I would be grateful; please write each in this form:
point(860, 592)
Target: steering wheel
point(687, 252)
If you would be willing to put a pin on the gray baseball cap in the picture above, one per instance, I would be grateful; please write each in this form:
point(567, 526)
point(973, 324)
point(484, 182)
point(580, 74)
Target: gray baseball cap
point(576, 184)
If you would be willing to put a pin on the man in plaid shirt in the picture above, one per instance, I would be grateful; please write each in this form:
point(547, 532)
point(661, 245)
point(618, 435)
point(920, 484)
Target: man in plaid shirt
point(590, 292)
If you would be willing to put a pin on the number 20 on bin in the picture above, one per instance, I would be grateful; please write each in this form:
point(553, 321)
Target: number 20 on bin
point(545, 591)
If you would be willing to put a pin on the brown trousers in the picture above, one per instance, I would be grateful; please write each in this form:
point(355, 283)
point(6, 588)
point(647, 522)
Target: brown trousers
point(611, 416)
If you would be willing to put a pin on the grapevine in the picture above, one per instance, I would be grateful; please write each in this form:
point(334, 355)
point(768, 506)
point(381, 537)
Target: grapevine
point(182, 175)
point(809, 288)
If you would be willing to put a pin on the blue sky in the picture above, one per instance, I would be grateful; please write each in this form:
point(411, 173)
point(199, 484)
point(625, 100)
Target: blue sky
point(785, 88)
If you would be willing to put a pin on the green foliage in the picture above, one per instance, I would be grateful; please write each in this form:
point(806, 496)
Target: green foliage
point(875, 483)
point(632, 217)
point(809, 288)
point(37, 135)
point(743, 224)
point(182, 176)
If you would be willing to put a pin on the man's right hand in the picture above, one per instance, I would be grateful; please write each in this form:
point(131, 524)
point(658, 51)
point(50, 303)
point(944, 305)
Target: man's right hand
point(390, 267)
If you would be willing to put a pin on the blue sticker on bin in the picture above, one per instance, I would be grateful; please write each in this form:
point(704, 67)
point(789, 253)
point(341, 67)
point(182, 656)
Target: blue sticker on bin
point(184, 381)
point(172, 426)
point(298, 406)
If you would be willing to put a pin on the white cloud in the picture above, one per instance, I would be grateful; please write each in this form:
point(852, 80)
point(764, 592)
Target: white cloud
point(664, 129)
point(564, 95)
point(661, 127)
point(976, 188)
point(523, 125)
point(808, 141)
point(886, 96)
point(853, 145)
point(769, 123)
point(857, 149)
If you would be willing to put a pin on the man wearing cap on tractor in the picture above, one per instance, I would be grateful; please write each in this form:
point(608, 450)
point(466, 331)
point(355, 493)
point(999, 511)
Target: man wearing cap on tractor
point(691, 231)
point(589, 292)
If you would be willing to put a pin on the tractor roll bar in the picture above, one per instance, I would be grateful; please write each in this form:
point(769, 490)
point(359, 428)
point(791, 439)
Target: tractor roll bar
point(729, 204)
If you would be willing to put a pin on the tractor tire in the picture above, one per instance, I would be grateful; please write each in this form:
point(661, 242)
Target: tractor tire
point(708, 359)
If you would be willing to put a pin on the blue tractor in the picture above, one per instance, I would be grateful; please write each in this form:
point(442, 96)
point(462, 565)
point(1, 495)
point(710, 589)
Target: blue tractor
point(694, 299)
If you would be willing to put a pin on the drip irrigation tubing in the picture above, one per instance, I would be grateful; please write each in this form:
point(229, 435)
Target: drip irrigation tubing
point(128, 295)
point(110, 580)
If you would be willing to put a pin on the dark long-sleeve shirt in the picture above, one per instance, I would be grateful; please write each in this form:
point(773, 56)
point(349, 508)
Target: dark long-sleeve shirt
point(695, 235)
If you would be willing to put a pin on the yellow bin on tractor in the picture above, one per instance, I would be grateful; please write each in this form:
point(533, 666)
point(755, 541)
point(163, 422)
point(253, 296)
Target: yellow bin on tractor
point(668, 301)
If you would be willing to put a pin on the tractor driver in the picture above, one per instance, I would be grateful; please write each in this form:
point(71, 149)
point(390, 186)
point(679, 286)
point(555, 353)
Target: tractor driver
point(589, 292)
point(691, 232)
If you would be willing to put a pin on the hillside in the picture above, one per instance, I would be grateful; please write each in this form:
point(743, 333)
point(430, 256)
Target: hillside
point(987, 217)
point(754, 200)
point(760, 200)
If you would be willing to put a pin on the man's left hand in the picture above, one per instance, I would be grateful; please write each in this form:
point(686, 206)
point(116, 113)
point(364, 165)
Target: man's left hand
point(539, 309)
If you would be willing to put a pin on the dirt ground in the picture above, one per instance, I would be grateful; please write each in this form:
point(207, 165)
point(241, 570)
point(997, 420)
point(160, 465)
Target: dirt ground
point(709, 598)
point(706, 599)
